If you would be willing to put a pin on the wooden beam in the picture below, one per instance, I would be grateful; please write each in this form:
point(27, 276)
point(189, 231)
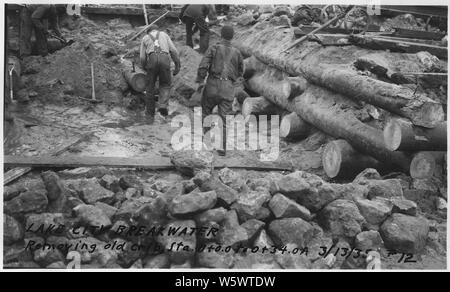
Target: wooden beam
point(17, 172)
point(383, 43)
point(151, 163)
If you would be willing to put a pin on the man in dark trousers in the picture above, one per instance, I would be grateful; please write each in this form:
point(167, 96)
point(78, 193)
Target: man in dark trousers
point(224, 66)
point(36, 17)
point(194, 17)
point(156, 51)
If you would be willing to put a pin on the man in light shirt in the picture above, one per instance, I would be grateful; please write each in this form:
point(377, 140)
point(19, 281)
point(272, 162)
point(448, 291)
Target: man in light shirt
point(156, 51)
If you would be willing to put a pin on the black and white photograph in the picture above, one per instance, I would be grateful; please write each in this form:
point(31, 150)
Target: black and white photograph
point(244, 136)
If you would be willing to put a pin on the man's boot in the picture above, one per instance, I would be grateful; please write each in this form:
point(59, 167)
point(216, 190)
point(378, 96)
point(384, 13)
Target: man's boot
point(163, 102)
point(150, 107)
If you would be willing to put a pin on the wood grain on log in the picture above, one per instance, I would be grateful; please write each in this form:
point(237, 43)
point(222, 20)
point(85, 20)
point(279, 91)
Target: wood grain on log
point(137, 80)
point(267, 43)
point(341, 160)
point(293, 127)
point(426, 164)
point(400, 134)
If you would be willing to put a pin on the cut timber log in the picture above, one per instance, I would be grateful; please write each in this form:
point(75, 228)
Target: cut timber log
point(267, 43)
point(383, 43)
point(421, 110)
point(400, 134)
point(426, 164)
point(328, 112)
point(17, 172)
point(331, 113)
point(137, 80)
point(258, 106)
point(341, 160)
point(293, 127)
point(271, 83)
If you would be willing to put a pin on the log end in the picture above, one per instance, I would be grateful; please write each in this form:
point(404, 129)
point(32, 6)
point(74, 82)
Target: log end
point(331, 159)
point(422, 165)
point(392, 135)
point(430, 115)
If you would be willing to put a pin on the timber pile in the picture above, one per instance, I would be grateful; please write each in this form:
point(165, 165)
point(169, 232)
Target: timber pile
point(327, 94)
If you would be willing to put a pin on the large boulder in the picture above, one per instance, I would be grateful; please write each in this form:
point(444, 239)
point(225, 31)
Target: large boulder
point(207, 182)
point(291, 230)
point(405, 233)
point(181, 233)
point(27, 202)
point(375, 212)
point(283, 207)
point(213, 215)
point(12, 230)
point(92, 216)
point(56, 191)
point(387, 188)
point(368, 240)
point(231, 233)
point(231, 179)
point(192, 203)
point(91, 191)
point(189, 162)
point(250, 205)
point(342, 218)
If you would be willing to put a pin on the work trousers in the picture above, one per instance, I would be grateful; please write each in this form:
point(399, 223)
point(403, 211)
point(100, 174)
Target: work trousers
point(192, 25)
point(158, 69)
point(218, 93)
point(25, 32)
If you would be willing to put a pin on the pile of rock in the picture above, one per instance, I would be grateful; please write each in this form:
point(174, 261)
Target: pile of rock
point(221, 220)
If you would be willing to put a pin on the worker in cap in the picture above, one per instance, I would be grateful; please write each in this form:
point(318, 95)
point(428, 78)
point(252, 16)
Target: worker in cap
point(224, 66)
point(157, 49)
point(194, 17)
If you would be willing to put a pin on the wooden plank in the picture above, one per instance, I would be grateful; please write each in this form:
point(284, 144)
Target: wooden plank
point(151, 163)
point(422, 10)
point(383, 43)
point(417, 34)
point(17, 172)
point(111, 10)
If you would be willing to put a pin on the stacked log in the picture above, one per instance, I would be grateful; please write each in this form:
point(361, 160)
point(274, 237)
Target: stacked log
point(258, 106)
point(400, 134)
point(341, 160)
point(136, 79)
point(293, 127)
point(426, 164)
point(331, 113)
point(267, 44)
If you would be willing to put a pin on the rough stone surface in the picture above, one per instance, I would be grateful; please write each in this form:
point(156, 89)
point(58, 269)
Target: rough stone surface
point(290, 260)
point(253, 228)
point(231, 179)
point(405, 233)
point(109, 211)
point(208, 182)
point(185, 253)
point(12, 230)
point(404, 206)
point(231, 232)
point(385, 188)
point(368, 240)
point(46, 221)
point(192, 203)
point(160, 261)
point(342, 218)
point(110, 182)
point(29, 201)
point(215, 260)
point(290, 230)
point(249, 205)
point(366, 175)
point(189, 162)
point(375, 212)
point(215, 215)
point(283, 207)
point(91, 191)
point(47, 256)
point(56, 191)
point(92, 216)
